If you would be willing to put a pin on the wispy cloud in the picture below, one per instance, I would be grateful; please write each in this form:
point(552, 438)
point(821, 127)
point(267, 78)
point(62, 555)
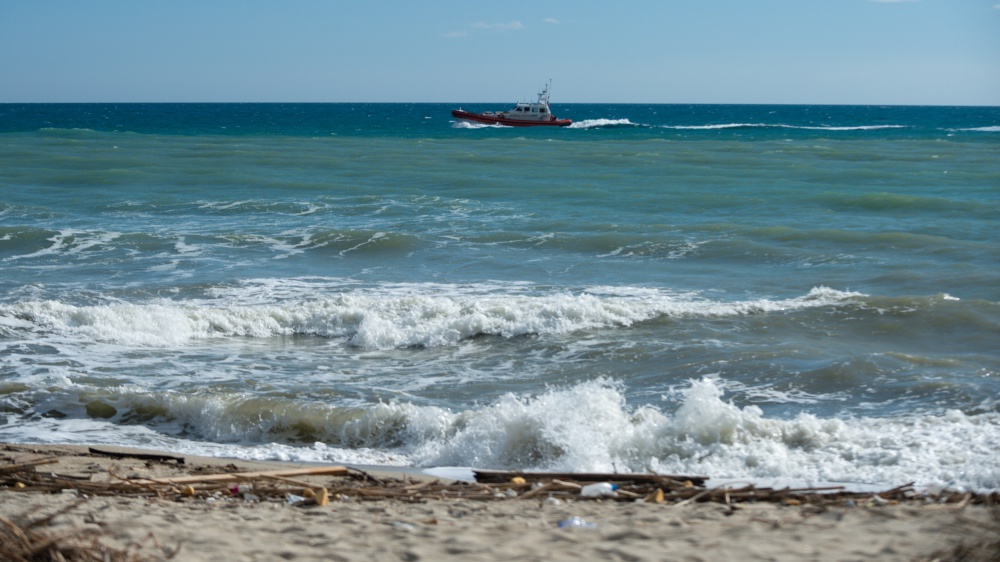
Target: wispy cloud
point(551, 20)
point(488, 26)
point(509, 26)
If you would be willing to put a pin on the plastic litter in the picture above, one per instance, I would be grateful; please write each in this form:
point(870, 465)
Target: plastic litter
point(576, 522)
point(599, 490)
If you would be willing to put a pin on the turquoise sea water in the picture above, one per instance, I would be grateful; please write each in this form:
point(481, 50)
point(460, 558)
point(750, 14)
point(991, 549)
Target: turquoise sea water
point(792, 292)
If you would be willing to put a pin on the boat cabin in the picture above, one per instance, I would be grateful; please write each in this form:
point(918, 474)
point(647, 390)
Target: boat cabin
point(531, 111)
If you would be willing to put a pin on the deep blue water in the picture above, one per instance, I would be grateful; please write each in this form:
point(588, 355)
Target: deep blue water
point(605, 121)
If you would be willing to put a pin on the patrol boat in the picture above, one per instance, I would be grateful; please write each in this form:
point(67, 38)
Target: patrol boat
point(524, 114)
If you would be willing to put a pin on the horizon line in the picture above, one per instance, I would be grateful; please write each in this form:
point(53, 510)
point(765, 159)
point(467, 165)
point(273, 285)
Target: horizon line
point(845, 104)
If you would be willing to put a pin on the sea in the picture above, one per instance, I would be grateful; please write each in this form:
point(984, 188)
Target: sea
point(790, 293)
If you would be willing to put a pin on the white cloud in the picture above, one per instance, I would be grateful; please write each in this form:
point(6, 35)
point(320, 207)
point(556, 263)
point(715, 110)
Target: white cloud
point(550, 20)
point(514, 25)
point(494, 26)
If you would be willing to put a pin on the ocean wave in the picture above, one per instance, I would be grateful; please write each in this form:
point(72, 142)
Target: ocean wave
point(586, 427)
point(33, 246)
point(383, 321)
point(64, 130)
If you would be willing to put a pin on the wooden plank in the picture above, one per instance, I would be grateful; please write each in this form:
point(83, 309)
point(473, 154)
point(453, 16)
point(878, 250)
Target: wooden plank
point(223, 477)
point(139, 456)
point(26, 465)
point(501, 476)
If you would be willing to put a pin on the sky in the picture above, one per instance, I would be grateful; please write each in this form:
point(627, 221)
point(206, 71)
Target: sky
point(901, 52)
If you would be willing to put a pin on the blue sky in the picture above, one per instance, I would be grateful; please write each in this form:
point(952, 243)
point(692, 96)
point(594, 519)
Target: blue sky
point(642, 51)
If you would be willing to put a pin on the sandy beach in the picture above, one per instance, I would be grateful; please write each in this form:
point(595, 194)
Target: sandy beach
point(209, 521)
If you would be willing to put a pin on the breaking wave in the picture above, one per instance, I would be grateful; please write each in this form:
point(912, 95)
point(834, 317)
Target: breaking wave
point(584, 427)
point(429, 317)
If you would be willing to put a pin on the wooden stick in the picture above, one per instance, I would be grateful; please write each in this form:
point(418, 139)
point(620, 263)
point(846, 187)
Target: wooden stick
point(138, 456)
point(695, 497)
point(21, 466)
point(289, 481)
point(539, 490)
point(498, 476)
point(314, 471)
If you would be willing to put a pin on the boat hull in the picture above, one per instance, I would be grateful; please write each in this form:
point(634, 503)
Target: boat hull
point(496, 120)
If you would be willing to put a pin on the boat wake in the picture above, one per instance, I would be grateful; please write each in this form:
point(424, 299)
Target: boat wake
point(603, 124)
point(470, 125)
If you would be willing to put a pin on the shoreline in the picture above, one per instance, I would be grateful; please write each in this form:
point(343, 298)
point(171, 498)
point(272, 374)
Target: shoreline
point(214, 523)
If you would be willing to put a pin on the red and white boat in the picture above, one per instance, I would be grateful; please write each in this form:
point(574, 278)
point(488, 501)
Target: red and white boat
point(524, 114)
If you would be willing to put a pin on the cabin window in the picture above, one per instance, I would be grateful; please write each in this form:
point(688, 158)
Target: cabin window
point(534, 110)
point(542, 110)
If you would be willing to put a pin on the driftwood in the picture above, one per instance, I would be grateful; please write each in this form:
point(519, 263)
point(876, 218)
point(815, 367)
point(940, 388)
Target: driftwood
point(227, 476)
point(345, 484)
point(139, 456)
point(500, 476)
point(11, 468)
point(24, 539)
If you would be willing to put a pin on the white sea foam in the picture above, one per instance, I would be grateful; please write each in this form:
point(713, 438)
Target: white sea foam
point(588, 428)
point(584, 427)
point(471, 125)
point(385, 320)
point(598, 123)
point(713, 126)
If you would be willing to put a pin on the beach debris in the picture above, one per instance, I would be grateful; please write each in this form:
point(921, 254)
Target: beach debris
point(312, 471)
point(599, 490)
point(138, 456)
point(18, 467)
point(241, 489)
point(324, 485)
point(656, 496)
point(403, 526)
point(500, 476)
point(27, 540)
point(322, 497)
point(576, 522)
